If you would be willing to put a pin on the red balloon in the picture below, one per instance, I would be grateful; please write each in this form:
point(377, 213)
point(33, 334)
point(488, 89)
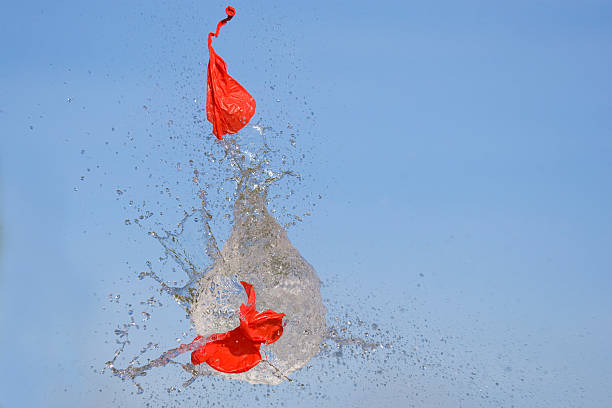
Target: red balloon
point(237, 351)
point(229, 107)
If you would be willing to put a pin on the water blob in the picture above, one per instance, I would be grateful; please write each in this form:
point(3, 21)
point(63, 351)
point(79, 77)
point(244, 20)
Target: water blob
point(258, 251)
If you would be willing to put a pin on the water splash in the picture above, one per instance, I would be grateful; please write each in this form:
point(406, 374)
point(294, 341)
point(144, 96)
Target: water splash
point(258, 251)
point(202, 278)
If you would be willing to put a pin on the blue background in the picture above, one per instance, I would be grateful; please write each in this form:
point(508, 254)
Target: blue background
point(467, 142)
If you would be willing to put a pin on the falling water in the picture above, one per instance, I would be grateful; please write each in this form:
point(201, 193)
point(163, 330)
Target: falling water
point(257, 251)
point(350, 338)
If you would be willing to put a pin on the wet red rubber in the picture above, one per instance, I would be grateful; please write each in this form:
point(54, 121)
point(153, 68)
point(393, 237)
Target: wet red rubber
point(229, 107)
point(238, 350)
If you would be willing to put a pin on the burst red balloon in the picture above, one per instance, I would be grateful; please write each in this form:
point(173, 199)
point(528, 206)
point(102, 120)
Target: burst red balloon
point(229, 107)
point(237, 351)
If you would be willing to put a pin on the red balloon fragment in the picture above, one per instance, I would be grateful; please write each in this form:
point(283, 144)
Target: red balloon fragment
point(229, 107)
point(237, 351)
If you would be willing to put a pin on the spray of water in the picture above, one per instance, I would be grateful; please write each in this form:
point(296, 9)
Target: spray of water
point(257, 251)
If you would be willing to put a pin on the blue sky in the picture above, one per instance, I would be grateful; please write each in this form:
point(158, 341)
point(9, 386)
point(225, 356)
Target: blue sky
point(470, 142)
